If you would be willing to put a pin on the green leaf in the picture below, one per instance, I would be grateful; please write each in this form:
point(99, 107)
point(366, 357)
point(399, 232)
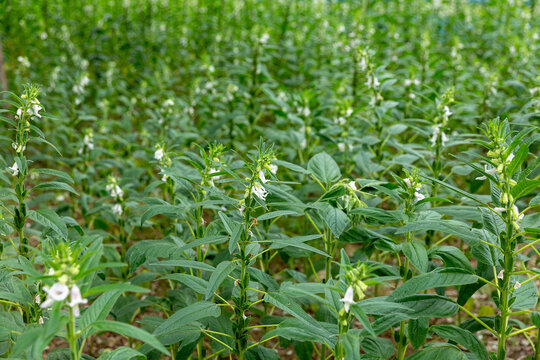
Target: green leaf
point(324, 168)
point(181, 318)
point(122, 353)
point(452, 257)
point(296, 242)
point(55, 185)
point(438, 351)
point(218, 276)
point(161, 209)
point(185, 264)
point(49, 218)
point(456, 190)
point(129, 331)
point(441, 277)
point(286, 304)
point(524, 187)
point(55, 173)
point(417, 330)
point(464, 338)
point(518, 160)
point(336, 220)
point(99, 310)
point(123, 287)
point(417, 255)
point(194, 282)
point(428, 305)
point(278, 213)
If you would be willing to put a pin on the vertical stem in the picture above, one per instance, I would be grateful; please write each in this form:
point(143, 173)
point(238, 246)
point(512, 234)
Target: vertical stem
point(72, 338)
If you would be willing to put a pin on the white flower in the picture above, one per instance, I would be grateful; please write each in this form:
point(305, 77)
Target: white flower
point(352, 185)
point(262, 177)
point(489, 171)
point(348, 299)
point(88, 141)
point(264, 38)
point(372, 82)
point(58, 292)
point(517, 285)
point(515, 213)
point(501, 274)
point(76, 300)
point(509, 158)
point(446, 114)
point(407, 182)
point(19, 112)
point(117, 209)
point(168, 103)
point(340, 120)
point(158, 154)
point(418, 196)
point(24, 61)
point(260, 191)
point(444, 138)
point(115, 191)
point(164, 177)
point(14, 169)
point(273, 168)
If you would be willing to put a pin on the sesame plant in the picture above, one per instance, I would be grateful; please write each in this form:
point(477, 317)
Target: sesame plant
point(269, 180)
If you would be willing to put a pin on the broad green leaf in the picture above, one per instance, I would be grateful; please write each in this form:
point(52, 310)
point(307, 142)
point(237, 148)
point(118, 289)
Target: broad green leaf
point(417, 255)
point(452, 257)
point(438, 351)
point(162, 209)
point(55, 173)
point(218, 276)
point(99, 310)
point(518, 160)
point(55, 185)
point(324, 168)
point(278, 213)
point(437, 278)
point(49, 218)
point(524, 187)
point(336, 220)
point(417, 330)
point(464, 338)
point(122, 353)
point(180, 319)
point(129, 331)
point(194, 282)
point(426, 305)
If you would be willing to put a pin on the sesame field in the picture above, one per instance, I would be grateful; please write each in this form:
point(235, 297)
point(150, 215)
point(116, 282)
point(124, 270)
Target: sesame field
point(269, 179)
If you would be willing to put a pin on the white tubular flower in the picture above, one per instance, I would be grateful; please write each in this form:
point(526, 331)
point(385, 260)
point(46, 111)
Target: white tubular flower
point(444, 139)
point(501, 274)
point(88, 141)
point(168, 103)
point(14, 169)
point(115, 191)
point(515, 214)
point(340, 120)
point(164, 177)
point(264, 38)
point(446, 114)
point(348, 299)
point(418, 196)
point(158, 154)
point(407, 182)
point(117, 209)
point(273, 168)
point(260, 191)
point(489, 171)
point(517, 285)
point(76, 300)
point(352, 185)
point(58, 292)
point(262, 177)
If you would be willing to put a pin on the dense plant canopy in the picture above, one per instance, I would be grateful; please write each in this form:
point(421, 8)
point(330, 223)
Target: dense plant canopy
point(269, 179)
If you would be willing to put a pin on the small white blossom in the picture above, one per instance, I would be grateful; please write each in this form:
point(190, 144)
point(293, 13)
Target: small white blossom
point(158, 154)
point(348, 299)
point(418, 196)
point(260, 191)
point(489, 171)
point(264, 38)
point(352, 185)
point(76, 300)
point(517, 285)
point(57, 292)
point(14, 169)
point(501, 274)
point(273, 168)
point(117, 209)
